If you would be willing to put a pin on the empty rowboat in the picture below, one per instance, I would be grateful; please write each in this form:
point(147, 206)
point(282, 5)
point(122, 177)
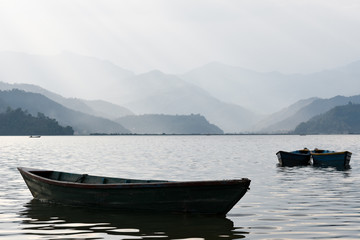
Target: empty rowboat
point(294, 158)
point(327, 158)
point(202, 197)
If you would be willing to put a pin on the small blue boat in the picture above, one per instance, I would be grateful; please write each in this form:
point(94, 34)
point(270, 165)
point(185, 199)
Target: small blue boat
point(294, 158)
point(327, 158)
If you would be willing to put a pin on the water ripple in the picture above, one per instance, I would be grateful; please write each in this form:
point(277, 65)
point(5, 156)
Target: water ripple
point(283, 203)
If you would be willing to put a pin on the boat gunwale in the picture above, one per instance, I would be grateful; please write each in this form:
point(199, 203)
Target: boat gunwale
point(159, 184)
point(294, 153)
point(331, 153)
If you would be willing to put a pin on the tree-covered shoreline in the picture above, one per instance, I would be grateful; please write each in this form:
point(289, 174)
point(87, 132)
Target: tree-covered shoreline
point(339, 120)
point(18, 122)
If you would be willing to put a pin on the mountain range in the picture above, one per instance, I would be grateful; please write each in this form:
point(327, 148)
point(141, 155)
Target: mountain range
point(85, 123)
point(270, 92)
point(153, 92)
point(236, 100)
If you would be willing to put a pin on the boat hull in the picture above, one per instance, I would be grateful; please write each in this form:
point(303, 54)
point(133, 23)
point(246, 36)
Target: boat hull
point(332, 159)
point(291, 159)
point(203, 197)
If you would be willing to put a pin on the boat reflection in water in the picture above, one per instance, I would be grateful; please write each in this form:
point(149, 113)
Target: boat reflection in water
point(52, 221)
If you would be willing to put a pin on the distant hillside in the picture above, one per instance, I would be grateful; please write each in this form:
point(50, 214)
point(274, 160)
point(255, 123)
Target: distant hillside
point(97, 108)
point(278, 122)
point(81, 123)
point(168, 94)
point(268, 92)
point(314, 108)
point(339, 120)
point(17, 122)
point(105, 109)
point(254, 90)
point(159, 124)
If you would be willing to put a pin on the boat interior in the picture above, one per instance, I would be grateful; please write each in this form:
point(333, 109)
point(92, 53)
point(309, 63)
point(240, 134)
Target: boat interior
point(316, 150)
point(304, 151)
point(89, 179)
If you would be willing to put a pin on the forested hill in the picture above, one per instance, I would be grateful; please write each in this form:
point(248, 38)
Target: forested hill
point(339, 120)
point(169, 124)
point(18, 122)
point(81, 123)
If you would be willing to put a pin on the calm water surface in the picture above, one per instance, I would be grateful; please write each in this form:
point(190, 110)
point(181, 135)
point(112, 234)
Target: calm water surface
point(283, 203)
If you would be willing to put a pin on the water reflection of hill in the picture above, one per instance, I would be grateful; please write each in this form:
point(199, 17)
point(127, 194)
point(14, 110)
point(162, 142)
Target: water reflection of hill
point(52, 221)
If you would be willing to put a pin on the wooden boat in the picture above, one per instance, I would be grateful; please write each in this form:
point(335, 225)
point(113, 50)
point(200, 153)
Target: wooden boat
point(294, 158)
point(327, 158)
point(203, 197)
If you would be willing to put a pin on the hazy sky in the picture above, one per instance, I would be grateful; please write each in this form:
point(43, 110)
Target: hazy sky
point(175, 36)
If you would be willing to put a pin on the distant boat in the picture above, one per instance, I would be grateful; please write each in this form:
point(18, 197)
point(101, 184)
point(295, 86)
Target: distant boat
point(34, 136)
point(327, 158)
point(294, 158)
point(203, 197)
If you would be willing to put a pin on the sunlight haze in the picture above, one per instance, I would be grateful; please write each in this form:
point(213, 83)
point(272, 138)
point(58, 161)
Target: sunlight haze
point(176, 36)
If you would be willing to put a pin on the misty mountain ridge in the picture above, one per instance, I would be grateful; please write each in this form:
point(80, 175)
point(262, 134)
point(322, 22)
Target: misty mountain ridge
point(35, 103)
point(271, 91)
point(72, 75)
point(216, 91)
point(224, 115)
point(308, 109)
point(152, 92)
point(169, 124)
point(97, 108)
point(343, 119)
point(237, 85)
point(277, 122)
point(180, 97)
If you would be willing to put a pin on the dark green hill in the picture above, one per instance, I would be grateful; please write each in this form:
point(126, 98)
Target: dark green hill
point(169, 124)
point(82, 123)
point(18, 122)
point(339, 120)
point(312, 109)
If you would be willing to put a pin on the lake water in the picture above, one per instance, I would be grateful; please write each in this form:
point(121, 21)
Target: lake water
point(283, 203)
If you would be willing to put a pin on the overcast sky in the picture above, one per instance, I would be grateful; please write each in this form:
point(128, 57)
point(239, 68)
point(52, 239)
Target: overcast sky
point(175, 36)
